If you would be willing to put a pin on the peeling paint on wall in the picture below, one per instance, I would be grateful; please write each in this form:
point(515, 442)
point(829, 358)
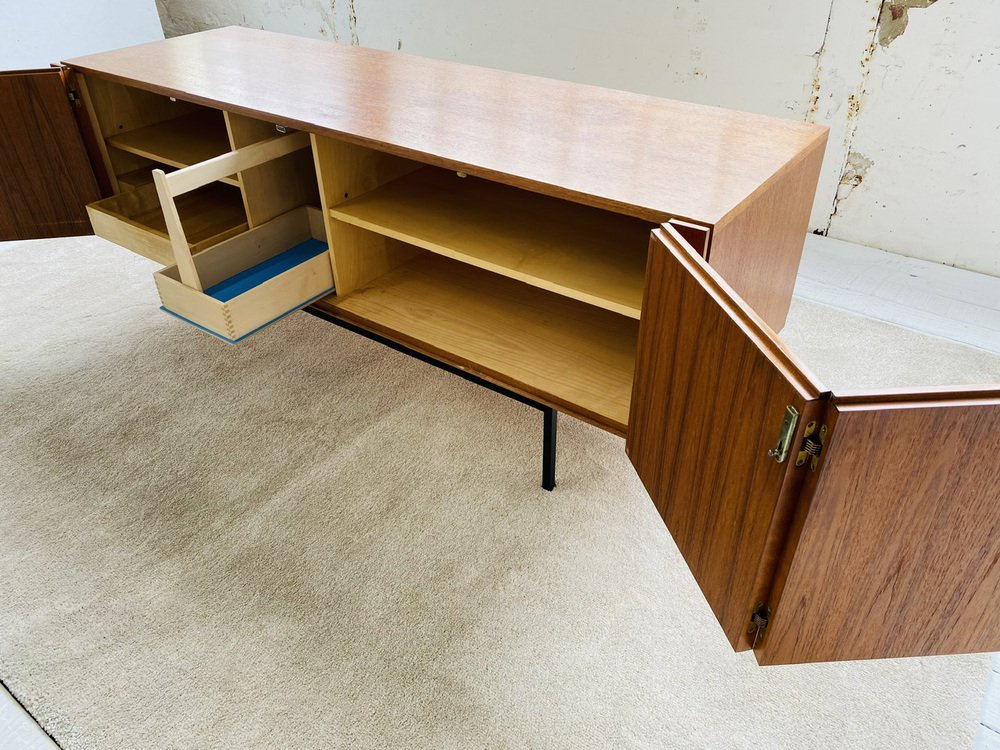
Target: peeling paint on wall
point(895, 16)
point(855, 170)
point(849, 172)
point(352, 20)
point(818, 70)
point(329, 17)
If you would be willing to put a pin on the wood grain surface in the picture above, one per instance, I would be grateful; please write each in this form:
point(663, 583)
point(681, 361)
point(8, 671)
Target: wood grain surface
point(134, 219)
point(179, 142)
point(898, 550)
point(758, 249)
point(711, 388)
point(345, 171)
point(565, 353)
point(115, 109)
point(636, 154)
point(591, 255)
point(274, 188)
point(45, 175)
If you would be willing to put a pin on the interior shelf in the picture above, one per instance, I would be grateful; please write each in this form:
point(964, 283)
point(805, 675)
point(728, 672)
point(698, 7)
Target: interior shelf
point(179, 142)
point(590, 255)
point(570, 354)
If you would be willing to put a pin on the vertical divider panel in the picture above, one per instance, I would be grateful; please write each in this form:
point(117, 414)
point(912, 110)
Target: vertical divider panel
point(95, 136)
point(277, 186)
point(345, 171)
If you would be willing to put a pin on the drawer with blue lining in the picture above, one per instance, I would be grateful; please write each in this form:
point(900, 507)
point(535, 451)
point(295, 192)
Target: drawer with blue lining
point(253, 279)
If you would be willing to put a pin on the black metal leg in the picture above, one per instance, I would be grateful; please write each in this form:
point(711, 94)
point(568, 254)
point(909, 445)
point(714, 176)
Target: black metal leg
point(549, 414)
point(550, 421)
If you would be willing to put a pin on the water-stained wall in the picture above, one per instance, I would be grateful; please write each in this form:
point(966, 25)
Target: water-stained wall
point(909, 88)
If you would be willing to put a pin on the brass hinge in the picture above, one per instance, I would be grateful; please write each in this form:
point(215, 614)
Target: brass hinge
point(759, 618)
point(780, 451)
point(73, 98)
point(811, 449)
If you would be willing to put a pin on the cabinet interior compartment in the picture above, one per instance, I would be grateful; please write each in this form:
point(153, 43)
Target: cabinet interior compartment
point(255, 278)
point(141, 130)
point(277, 186)
point(561, 351)
point(344, 171)
point(585, 253)
point(134, 219)
point(180, 141)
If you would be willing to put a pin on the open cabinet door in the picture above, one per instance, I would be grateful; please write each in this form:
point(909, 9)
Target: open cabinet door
point(877, 536)
point(46, 178)
point(713, 391)
point(896, 548)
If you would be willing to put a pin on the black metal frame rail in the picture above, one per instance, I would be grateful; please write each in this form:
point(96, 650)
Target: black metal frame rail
point(549, 415)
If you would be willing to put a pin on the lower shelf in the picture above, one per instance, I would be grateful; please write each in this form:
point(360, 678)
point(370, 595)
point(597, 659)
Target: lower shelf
point(569, 354)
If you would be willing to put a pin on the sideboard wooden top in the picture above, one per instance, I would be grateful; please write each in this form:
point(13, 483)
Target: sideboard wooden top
point(637, 154)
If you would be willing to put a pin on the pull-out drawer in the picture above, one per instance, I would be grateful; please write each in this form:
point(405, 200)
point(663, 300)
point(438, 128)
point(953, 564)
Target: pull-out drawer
point(134, 219)
point(253, 279)
point(249, 281)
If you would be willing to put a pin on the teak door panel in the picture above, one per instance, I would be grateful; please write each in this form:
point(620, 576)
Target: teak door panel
point(710, 392)
point(45, 174)
point(899, 550)
point(890, 548)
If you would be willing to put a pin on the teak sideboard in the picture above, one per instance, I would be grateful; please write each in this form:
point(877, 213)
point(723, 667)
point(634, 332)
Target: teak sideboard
point(621, 258)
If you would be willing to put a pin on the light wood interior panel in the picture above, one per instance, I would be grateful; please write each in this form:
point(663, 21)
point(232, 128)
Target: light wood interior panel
point(250, 248)
point(565, 353)
point(591, 255)
point(898, 548)
point(134, 219)
point(277, 186)
point(139, 177)
point(345, 170)
point(119, 109)
point(179, 142)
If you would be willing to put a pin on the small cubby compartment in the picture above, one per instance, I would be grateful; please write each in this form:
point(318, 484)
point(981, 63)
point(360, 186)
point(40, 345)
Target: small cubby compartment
point(134, 219)
point(253, 279)
point(142, 130)
point(585, 253)
point(179, 141)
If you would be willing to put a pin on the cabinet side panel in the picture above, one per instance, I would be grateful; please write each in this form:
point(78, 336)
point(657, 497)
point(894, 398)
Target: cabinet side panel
point(344, 171)
point(709, 396)
point(45, 175)
point(899, 553)
point(758, 249)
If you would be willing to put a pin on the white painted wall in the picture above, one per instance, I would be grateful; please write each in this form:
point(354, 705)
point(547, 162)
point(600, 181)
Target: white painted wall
point(929, 125)
point(37, 33)
point(913, 164)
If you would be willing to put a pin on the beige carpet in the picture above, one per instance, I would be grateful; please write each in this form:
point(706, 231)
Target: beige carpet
point(311, 541)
